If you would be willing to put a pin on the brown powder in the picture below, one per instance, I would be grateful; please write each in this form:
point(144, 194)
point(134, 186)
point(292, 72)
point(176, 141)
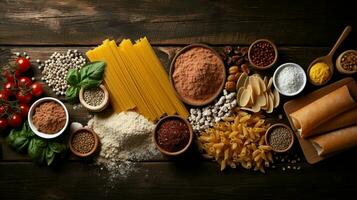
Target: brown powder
point(49, 117)
point(198, 74)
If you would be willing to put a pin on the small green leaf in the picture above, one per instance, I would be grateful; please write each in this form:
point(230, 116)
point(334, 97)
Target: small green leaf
point(19, 143)
point(55, 147)
point(12, 136)
point(72, 94)
point(50, 155)
point(35, 149)
point(89, 83)
point(73, 77)
point(93, 70)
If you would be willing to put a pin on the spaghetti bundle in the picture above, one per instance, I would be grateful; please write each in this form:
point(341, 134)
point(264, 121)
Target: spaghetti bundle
point(136, 80)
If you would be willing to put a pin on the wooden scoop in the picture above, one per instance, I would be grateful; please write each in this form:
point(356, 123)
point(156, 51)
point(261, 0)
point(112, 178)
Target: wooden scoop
point(328, 58)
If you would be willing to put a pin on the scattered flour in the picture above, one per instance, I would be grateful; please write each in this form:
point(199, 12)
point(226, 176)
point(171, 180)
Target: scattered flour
point(125, 138)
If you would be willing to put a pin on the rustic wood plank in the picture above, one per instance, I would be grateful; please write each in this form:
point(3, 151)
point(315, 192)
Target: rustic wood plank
point(183, 180)
point(88, 22)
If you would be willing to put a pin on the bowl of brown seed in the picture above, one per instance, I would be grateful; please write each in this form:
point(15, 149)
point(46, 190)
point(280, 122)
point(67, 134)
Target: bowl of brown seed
point(280, 137)
point(94, 99)
point(83, 142)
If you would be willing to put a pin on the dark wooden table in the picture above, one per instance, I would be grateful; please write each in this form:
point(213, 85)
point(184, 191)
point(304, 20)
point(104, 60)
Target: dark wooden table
point(302, 31)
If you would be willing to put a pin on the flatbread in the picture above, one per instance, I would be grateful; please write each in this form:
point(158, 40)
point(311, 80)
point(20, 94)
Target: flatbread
point(342, 120)
point(335, 141)
point(321, 110)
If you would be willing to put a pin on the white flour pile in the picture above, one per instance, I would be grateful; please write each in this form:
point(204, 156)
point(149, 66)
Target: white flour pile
point(124, 137)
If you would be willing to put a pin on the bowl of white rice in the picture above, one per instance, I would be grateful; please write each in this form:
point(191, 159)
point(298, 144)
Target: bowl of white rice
point(289, 79)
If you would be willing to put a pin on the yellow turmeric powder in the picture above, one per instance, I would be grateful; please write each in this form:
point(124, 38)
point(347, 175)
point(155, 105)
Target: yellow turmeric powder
point(319, 73)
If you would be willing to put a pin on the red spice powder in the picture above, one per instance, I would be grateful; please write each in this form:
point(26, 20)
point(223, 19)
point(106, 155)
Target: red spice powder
point(173, 135)
point(49, 117)
point(198, 74)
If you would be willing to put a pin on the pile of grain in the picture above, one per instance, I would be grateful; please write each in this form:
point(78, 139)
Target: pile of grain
point(125, 138)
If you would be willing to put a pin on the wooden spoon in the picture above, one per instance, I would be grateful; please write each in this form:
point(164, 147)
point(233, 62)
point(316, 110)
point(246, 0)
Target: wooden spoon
point(328, 58)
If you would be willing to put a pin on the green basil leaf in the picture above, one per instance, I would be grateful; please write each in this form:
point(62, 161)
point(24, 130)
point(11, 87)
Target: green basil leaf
point(36, 148)
point(24, 146)
point(72, 94)
point(50, 160)
point(89, 83)
point(73, 77)
point(93, 70)
point(19, 143)
point(57, 147)
point(50, 155)
point(12, 136)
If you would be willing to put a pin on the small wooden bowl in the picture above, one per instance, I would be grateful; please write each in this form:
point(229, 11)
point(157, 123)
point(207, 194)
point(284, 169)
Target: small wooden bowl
point(338, 63)
point(95, 147)
point(189, 141)
point(290, 133)
point(98, 108)
point(323, 60)
point(271, 64)
point(172, 68)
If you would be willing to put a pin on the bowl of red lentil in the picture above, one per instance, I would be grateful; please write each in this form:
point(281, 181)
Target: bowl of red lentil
point(280, 137)
point(173, 135)
point(94, 99)
point(262, 54)
point(83, 142)
point(346, 62)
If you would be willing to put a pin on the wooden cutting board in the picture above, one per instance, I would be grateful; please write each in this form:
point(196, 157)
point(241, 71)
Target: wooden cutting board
point(294, 105)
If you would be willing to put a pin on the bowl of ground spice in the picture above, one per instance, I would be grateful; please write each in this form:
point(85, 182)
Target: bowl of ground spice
point(173, 135)
point(48, 117)
point(83, 142)
point(262, 54)
point(198, 74)
point(94, 99)
point(346, 62)
point(280, 137)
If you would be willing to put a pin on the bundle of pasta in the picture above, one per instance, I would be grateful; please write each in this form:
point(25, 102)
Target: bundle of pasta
point(239, 139)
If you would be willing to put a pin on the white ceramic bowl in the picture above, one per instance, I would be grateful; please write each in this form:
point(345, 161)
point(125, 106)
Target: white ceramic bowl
point(278, 70)
point(31, 113)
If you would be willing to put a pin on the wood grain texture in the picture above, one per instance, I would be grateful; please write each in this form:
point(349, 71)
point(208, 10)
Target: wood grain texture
point(75, 22)
point(184, 181)
point(302, 30)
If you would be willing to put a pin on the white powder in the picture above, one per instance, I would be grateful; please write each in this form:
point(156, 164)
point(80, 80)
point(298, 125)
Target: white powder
point(290, 79)
point(124, 137)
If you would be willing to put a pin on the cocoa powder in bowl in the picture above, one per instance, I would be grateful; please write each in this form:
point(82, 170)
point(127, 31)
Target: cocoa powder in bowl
point(198, 75)
point(49, 117)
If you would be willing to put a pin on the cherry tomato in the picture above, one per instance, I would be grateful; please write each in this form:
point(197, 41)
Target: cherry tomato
point(24, 82)
point(24, 97)
point(10, 88)
point(15, 120)
point(37, 89)
point(8, 75)
point(3, 124)
point(3, 109)
point(24, 109)
point(23, 63)
point(3, 96)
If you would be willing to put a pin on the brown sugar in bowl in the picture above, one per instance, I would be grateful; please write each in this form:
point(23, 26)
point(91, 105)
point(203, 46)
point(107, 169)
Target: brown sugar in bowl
point(192, 101)
point(184, 149)
point(89, 153)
